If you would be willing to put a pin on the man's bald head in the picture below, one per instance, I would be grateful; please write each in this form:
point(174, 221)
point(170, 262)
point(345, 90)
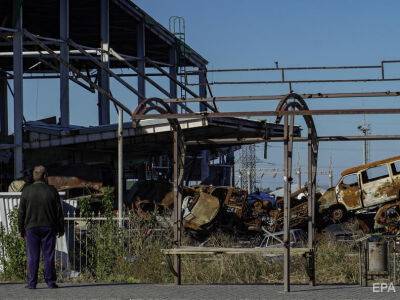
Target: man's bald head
point(39, 173)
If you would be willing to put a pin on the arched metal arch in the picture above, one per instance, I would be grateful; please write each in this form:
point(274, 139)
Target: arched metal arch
point(293, 102)
point(178, 158)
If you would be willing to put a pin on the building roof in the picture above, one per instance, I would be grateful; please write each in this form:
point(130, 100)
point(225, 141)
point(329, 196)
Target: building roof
point(151, 135)
point(369, 165)
point(41, 17)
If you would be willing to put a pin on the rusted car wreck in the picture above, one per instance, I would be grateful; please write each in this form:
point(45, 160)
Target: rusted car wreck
point(230, 209)
point(372, 188)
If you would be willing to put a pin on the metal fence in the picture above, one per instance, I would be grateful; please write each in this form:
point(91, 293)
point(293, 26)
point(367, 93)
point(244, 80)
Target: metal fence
point(88, 236)
point(88, 241)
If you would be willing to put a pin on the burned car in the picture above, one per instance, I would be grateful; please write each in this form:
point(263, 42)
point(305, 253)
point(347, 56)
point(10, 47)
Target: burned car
point(365, 188)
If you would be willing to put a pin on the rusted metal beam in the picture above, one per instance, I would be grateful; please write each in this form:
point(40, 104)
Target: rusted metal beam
point(333, 138)
point(298, 68)
point(321, 112)
point(279, 97)
point(299, 81)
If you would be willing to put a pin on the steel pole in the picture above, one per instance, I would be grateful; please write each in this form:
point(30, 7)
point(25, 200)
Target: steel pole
point(104, 82)
point(18, 91)
point(286, 225)
point(173, 71)
point(64, 70)
point(141, 64)
point(311, 208)
point(120, 165)
point(177, 207)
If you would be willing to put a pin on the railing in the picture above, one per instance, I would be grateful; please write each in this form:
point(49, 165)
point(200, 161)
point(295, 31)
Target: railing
point(91, 243)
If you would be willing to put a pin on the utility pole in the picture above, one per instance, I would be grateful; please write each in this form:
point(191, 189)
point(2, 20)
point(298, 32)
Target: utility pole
point(365, 129)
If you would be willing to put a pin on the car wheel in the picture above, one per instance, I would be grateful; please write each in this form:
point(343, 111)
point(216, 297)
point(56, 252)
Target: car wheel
point(338, 214)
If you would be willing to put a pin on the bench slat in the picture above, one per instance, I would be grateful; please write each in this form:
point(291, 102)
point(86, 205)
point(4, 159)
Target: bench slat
point(219, 250)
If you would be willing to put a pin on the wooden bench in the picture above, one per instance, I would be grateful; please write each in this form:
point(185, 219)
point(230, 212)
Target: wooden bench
point(190, 250)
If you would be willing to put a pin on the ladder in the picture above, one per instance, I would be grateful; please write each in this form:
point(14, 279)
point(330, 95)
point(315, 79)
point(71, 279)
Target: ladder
point(177, 27)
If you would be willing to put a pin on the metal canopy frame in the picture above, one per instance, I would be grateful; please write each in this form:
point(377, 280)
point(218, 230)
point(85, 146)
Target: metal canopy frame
point(61, 62)
point(290, 106)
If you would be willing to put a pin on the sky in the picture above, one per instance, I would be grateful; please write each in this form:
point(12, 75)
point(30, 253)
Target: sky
point(257, 33)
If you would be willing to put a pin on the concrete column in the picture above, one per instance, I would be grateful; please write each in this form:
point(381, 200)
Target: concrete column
point(141, 54)
point(64, 71)
point(3, 105)
point(104, 102)
point(173, 71)
point(18, 91)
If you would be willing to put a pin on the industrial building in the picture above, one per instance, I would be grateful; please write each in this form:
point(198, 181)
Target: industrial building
point(91, 43)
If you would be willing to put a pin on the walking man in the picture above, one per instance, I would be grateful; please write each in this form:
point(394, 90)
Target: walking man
point(41, 219)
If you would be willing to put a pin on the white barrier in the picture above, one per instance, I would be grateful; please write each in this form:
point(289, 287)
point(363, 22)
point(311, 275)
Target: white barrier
point(10, 201)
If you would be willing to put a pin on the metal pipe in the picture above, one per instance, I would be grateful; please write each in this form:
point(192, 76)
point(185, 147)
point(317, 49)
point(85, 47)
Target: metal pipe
point(120, 165)
point(295, 68)
point(322, 112)
point(298, 81)
point(279, 97)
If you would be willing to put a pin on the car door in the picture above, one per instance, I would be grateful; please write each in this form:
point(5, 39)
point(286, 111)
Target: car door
point(377, 186)
point(348, 192)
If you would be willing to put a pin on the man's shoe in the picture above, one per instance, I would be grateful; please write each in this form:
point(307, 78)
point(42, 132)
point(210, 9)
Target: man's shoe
point(53, 286)
point(30, 287)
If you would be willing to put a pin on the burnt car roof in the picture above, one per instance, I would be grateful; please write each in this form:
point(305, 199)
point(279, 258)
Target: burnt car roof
point(369, 165)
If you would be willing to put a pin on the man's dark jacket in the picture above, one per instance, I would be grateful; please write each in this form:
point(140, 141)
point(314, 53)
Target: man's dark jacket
point(40, 206)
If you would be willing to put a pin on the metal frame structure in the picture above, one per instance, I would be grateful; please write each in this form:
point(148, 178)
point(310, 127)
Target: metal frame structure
point(59, 57)
point(290, 105)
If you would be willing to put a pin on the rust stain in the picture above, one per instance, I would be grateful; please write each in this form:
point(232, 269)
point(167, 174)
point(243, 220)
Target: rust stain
point(350, 197)
point(388, 189)
point(63, 183)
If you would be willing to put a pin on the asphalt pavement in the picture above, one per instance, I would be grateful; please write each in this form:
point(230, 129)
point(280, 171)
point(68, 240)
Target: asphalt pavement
point(154, 291)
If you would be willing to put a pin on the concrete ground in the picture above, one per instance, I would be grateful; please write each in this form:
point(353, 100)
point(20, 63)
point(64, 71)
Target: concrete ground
point(153, 291)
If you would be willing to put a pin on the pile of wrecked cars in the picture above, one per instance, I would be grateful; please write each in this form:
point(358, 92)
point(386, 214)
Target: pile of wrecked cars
point(231, 209)
point(369, 193)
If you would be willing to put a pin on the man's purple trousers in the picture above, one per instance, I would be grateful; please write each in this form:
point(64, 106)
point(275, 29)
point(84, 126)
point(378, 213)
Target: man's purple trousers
point(43, 238)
